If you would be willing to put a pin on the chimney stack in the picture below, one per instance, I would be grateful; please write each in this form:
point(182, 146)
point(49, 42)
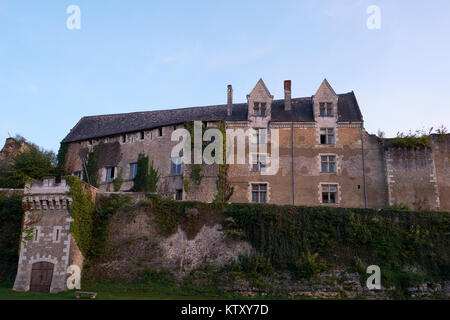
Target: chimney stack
point(287, 95)
point(230, 100)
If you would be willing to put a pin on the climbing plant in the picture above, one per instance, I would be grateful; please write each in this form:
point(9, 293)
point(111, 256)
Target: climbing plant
point(91, 168)
point(224, 188)
point(117, 182)
point(81, 212)
point(147, 178)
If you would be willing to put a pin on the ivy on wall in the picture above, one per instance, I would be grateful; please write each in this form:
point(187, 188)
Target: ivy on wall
point(117, 182)
point(147, 178)
point(196, 169)
point(81, 211)
point(311, 237)
point(224, 188)
point(91, 168)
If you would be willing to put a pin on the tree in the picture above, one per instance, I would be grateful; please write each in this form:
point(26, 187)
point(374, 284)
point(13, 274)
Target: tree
point(34, 163)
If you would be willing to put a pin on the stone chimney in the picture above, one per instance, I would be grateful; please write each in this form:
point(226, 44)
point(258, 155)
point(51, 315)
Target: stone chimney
point(230, 100)
point(287, 95)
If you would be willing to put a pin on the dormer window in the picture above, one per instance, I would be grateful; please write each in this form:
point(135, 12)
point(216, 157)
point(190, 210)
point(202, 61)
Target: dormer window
point(260, 109)
point(326, 109)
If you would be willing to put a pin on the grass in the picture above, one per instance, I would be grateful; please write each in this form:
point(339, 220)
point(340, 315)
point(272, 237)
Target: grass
point(125, 291)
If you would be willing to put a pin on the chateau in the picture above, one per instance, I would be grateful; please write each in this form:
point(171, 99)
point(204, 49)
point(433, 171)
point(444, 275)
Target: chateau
point(325, 155)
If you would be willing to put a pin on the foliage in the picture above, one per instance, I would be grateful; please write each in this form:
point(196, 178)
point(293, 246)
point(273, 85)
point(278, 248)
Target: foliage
point(104, 209)
point(117, 182)
point(196, 173)
point(163, 277)
point(11, 216)
point(146, 179)
point(308, 266)
point(81, 211)
point(186, 185)
point(196, 169)
point(33, 163)
point(224, 188)
point(390, 238)
point(398, 206)
point(189, 215)
point(91, 168)
point(256, 264)
point(61, 161)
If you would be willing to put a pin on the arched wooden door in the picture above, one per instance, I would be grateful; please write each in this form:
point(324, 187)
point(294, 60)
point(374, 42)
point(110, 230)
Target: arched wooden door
point(41, 276)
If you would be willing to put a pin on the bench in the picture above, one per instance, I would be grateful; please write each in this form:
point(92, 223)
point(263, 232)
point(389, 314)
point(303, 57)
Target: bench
point(79, 294)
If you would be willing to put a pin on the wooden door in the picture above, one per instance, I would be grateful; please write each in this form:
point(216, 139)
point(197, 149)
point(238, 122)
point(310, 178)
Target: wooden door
point(41, 276)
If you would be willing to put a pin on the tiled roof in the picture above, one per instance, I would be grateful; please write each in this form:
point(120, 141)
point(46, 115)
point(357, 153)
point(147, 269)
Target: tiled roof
point(107, 125)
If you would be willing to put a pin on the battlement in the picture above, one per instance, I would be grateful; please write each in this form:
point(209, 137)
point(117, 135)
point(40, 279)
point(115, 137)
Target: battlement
point(47, 195)
point(47, 186)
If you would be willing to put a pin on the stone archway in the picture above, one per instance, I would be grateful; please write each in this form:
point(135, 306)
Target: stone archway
point(41, 276)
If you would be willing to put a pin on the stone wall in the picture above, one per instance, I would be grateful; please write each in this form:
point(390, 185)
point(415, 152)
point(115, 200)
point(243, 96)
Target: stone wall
point(135, 243)
point(388, 172)
point(45, 235)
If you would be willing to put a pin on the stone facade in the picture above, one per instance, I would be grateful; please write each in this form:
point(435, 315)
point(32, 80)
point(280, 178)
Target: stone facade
point(305, 126)
point(46, 237)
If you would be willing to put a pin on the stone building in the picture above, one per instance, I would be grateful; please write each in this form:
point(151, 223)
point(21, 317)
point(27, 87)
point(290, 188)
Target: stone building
point(325, 155)
point(47, 248)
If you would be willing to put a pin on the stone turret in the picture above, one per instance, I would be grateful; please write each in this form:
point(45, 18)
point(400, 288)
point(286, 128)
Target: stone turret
point(47, 247)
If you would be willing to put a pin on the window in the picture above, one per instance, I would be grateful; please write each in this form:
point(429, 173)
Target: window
point(159, 132)
point(110, 174)
point(326, 109)
point(259, 193)
point(179, 195)
point(259, 162)
point(327, 136)
point(56, 233)
point(262, 136)
point(260, 109)
point(176, 165)
point(329, 193)
point(133, 170)
point(142, 135)
point(328, 164)
point(78, 174)
point(124, 138)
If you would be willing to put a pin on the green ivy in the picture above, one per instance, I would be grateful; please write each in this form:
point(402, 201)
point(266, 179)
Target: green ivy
point(91, 170)
point(224, 188)
point(117, 182)
point(81, 211)
point(311, 237)
point(104, 209)
point(146, 179)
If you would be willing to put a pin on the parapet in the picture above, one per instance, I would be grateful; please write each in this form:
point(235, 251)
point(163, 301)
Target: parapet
point(47, 186)
point(47, 194)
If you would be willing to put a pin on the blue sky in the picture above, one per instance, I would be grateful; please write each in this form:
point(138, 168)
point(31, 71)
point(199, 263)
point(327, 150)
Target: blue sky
point(148, 55)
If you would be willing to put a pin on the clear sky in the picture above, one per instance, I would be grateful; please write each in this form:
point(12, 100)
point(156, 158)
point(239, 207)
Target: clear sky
point(148, 55)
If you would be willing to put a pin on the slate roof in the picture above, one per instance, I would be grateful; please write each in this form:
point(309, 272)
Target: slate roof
point(107, 125)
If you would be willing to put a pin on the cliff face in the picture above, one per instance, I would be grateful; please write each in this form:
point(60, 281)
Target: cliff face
point(12, 148)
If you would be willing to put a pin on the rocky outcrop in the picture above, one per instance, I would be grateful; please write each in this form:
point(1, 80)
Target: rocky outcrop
point(12, 147)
